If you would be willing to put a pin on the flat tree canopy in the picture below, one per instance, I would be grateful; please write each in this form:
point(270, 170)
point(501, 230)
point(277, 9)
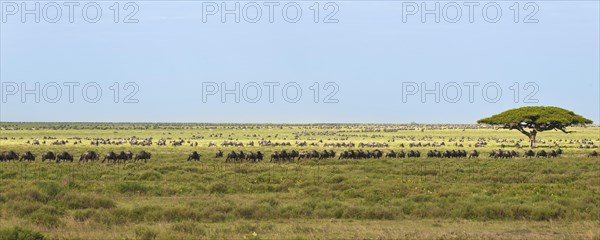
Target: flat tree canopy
point(531, 120)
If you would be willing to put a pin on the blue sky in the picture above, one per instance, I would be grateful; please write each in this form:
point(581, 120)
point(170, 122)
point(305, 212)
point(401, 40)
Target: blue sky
point(369, 55)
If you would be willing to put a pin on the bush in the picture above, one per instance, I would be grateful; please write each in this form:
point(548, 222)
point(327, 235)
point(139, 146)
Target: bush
point(189, 228)
point(217, 212)
point(52, 189)
point(145, 233)
point(520, 212)
point(140, 214)
point(271, 201)
point(336, 179)
point(30, 195)
point(132, 187)
point(150, 176)
point(46, 216)
point(179, 214)
point(83, 215)
point(496, 212)
point(110, 218)
point(353, 212)
point(218, 188)
point(22, 208)
point(381, 212)
point(79, 201)
point(548, 212)
point(18, 233)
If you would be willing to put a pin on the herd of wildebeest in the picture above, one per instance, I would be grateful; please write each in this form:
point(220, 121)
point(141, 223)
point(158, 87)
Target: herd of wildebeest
point(280, 156)
point(288, 156)
point(67, 157)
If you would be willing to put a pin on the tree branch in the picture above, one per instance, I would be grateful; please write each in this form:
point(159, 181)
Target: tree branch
point(520, 128)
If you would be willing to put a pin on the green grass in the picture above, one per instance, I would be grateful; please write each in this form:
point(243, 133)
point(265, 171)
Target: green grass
point(169, 197)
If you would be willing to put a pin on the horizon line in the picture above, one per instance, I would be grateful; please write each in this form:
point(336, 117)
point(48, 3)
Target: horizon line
point(261, 123)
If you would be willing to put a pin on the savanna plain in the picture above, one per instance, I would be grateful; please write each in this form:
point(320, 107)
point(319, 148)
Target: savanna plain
point(169, 197)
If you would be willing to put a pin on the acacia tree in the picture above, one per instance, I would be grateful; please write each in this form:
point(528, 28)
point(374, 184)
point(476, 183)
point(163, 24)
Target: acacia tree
point(531, 120)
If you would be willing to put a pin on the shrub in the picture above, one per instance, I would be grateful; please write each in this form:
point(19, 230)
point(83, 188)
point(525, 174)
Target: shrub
point(336, 179)
point(83, 215)
point(218, 188)
point(80, 201)
point(520, 212)
point(30, 195)
point(217, 212)
point(496, 212)
point(548, 212)
point(381, 212)
point(179, 214)
point(110, 218)
point(145, 233)
point(190, 228)
point(271, 201)
point(18, 233)
point(22, 208)
point(132, 187)
point(52, 189)
point(150, 176)
point(353, 212)
point(140, 214)
point(46, 216)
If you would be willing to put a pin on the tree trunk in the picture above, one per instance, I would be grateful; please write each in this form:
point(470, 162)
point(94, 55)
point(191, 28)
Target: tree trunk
point(532, 139)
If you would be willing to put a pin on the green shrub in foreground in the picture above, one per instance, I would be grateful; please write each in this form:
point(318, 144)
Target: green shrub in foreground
point(18, 233)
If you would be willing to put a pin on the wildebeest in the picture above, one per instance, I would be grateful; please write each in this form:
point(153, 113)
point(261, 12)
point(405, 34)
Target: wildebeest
point(48, 156)
point(312, 154)
point(376, 154)
point(593, 154)
point(64, 156)
point(347, 155)
point(27, 156)
point(361, 154)
point(254, 157)
point(219, 154)
point(293, 154)
point(541, 153)
point(434, 153)
point(474, 154)
point(9, 156)
point(88, 156)
point(326, 154)
point(123, 156)
point(529, 154)
point(280, 156)
point(274, 156)
point(237, 157)
point(129, 155)
point(504, 154)
point(302, 155)
point(231, 156)
point(143, 155)
point(413, 154)
point(194, 156)
point(111, 156)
